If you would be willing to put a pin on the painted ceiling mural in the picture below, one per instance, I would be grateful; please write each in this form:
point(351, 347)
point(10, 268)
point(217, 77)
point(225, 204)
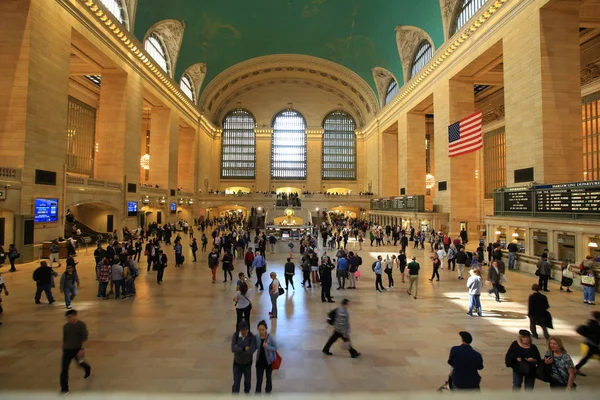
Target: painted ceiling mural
point(358, 34)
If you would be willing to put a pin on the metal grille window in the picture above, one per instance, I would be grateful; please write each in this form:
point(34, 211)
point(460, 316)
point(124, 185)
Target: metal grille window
point(422, 57)
point(288, 154)
point(81, 135)
point(116, 8)
point(494, 158)
point(392, 91)
point(339, 147)
point(187, 87)
point(427, 153)
point(157, 51)
point(238, 146)
point(590, 110)
point(467, 9)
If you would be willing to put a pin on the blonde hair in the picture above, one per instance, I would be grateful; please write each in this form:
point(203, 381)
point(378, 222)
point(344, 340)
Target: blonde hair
point(558, 342)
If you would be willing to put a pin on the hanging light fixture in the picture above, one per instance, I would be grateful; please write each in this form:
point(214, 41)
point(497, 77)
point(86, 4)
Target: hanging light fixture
point(429, 181)
point(593, 244)
point(145, 161)
point(498, 233)
point(515, 234)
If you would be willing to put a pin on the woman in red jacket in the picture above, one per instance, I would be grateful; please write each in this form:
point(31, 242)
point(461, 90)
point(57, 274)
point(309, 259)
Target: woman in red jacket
point(249, 259)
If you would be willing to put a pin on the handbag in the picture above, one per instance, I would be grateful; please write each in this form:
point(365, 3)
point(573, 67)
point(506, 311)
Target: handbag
point(543, 372)
point(276, 364)
point(525, 368)
point(588, 280)
point(281, 291)
point(537, 272)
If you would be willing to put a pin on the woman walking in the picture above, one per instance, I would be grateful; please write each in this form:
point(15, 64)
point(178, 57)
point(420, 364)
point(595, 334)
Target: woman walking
point(13, 254)
point(474, 284)
point(69, 282)
point(265, 343)
point(227, 266)
point(523, 357)
point(243, 305)
point(563, 370)
point(567, 276)
point(274, 293)
point(436, 267)
point(389, 270)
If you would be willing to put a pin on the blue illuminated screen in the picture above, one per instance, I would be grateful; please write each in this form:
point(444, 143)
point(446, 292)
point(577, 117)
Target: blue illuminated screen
point(46, 210)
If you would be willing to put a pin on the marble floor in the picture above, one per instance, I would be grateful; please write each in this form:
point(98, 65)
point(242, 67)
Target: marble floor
point(176, 337)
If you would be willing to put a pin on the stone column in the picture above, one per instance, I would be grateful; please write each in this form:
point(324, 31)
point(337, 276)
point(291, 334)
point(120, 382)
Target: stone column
point(453, 101)
point(543, 101)
point(186, 159)
point(119, 127)
point(263, 159)
point(411, 153)
point(164, 141)
point(314, 160)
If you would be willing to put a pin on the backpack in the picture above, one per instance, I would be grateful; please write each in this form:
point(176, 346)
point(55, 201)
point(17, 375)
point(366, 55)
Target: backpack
point(134, 272)
point(374, 265)
point(331, 316)
point(36, 275)
point(359, 261)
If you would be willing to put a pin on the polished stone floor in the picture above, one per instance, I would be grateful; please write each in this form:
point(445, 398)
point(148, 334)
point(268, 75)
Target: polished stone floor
point(176, 337)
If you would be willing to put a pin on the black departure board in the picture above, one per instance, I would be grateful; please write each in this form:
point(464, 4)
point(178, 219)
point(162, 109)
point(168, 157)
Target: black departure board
point(518, 199)
point(578, 198)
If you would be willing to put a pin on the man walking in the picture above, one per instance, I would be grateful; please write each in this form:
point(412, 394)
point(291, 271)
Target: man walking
point(543, 269)
point(494, 278)
point(342, 271)
point(75, 334)
point(326, 280)
point(461, 260)
point(591, 333)
point(260, 266)
point(243, 346)
point(213, 263)
point(341, 329)
point(537, 311)
point(378, 280)
point(465, 363)
point(43, 280)
point(413, 276)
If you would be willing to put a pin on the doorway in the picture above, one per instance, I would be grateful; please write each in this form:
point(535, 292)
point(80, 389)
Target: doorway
point(110, 223)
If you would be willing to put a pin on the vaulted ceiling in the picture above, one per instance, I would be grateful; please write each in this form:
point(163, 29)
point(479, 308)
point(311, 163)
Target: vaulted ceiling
point(358, 34)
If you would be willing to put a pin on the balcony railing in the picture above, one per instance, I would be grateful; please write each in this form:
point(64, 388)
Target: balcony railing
point(147, 190)
point(10, 174)
point(93, 183)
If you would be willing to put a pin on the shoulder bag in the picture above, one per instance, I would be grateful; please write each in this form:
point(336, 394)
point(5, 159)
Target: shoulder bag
point(276, 364)
point(544, 371)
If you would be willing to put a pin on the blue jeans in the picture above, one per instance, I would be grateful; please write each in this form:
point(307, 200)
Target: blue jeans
point(474, 302)
point(589, 294)
point(519, 380)
point(511, 260)
point(119, 288)
point(70, 293)
point(130, 286)
point(46, 289)
point(102, 289)
point(274, 304)
point(238, 371)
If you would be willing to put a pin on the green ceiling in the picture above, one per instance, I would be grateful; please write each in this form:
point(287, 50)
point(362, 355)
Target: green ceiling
point(358, 34)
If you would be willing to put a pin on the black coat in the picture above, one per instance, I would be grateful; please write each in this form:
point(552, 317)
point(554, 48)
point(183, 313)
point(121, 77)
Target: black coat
point(538, 308)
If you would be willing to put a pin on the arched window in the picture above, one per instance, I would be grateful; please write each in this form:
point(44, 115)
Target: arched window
point(187, 87)
point(288, 154)
point(391, 92)
point(157, 51)
point(339, 147)
point(116, 8)
point(238, 146)
point(422, 57)
point(465, 11)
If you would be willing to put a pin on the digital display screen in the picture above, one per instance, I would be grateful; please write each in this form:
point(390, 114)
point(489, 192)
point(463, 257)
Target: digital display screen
point(132, 208)
point(46, 210)
point(518, 200)
point(173, 208)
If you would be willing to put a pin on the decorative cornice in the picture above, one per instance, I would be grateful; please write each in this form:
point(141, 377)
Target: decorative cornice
point(438, 59)
point(171, 33)
point(382, 78)
point(590, 72)
point(408, 40)
point(197, 73)
point(493, 115)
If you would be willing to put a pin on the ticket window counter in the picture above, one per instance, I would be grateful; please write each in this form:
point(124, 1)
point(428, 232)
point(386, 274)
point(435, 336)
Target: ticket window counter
point(520, 237)
point(566, 247)
point(593, 247)
point(500, 234)
point(540, 242)
point(425, 226)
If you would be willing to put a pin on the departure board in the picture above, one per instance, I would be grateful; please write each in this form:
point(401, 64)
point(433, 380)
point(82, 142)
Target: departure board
point(518, 199)
point(578, 198)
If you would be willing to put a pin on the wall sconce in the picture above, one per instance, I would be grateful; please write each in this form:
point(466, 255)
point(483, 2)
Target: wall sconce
point(515, 234)
point(498, 233)
point(145, 161)
point(593, 244)
point(429, 181)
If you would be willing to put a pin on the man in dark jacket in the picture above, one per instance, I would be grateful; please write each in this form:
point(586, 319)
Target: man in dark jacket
point(494, 278)
point(326, 280)
point(591, 333)
point(465, 363)
point(538, 312)
point(43, 279)
point(512, 254)
point(544, 268)
point(243, 346)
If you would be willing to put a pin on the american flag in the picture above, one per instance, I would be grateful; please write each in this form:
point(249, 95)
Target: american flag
point(465, 136)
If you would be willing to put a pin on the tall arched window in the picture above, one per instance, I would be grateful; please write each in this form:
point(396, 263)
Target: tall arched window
point(157, 51)
point(339, 147)
point(238, 146)
point(422, 57)
point(391, 92)
point(187, 87)
point(288, 154)
point(465, 11)
point(116, 8)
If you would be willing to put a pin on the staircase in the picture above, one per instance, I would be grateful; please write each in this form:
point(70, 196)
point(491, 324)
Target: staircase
point(86, 231)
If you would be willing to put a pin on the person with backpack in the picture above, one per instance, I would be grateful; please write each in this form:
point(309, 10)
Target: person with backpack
point(339, 318)
point(352, 268)
point(54, 254)
point(591, 333)
point(43, 279)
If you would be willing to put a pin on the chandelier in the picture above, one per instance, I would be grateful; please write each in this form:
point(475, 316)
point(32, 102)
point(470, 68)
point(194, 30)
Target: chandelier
point(429, 181)
point(145, 161)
